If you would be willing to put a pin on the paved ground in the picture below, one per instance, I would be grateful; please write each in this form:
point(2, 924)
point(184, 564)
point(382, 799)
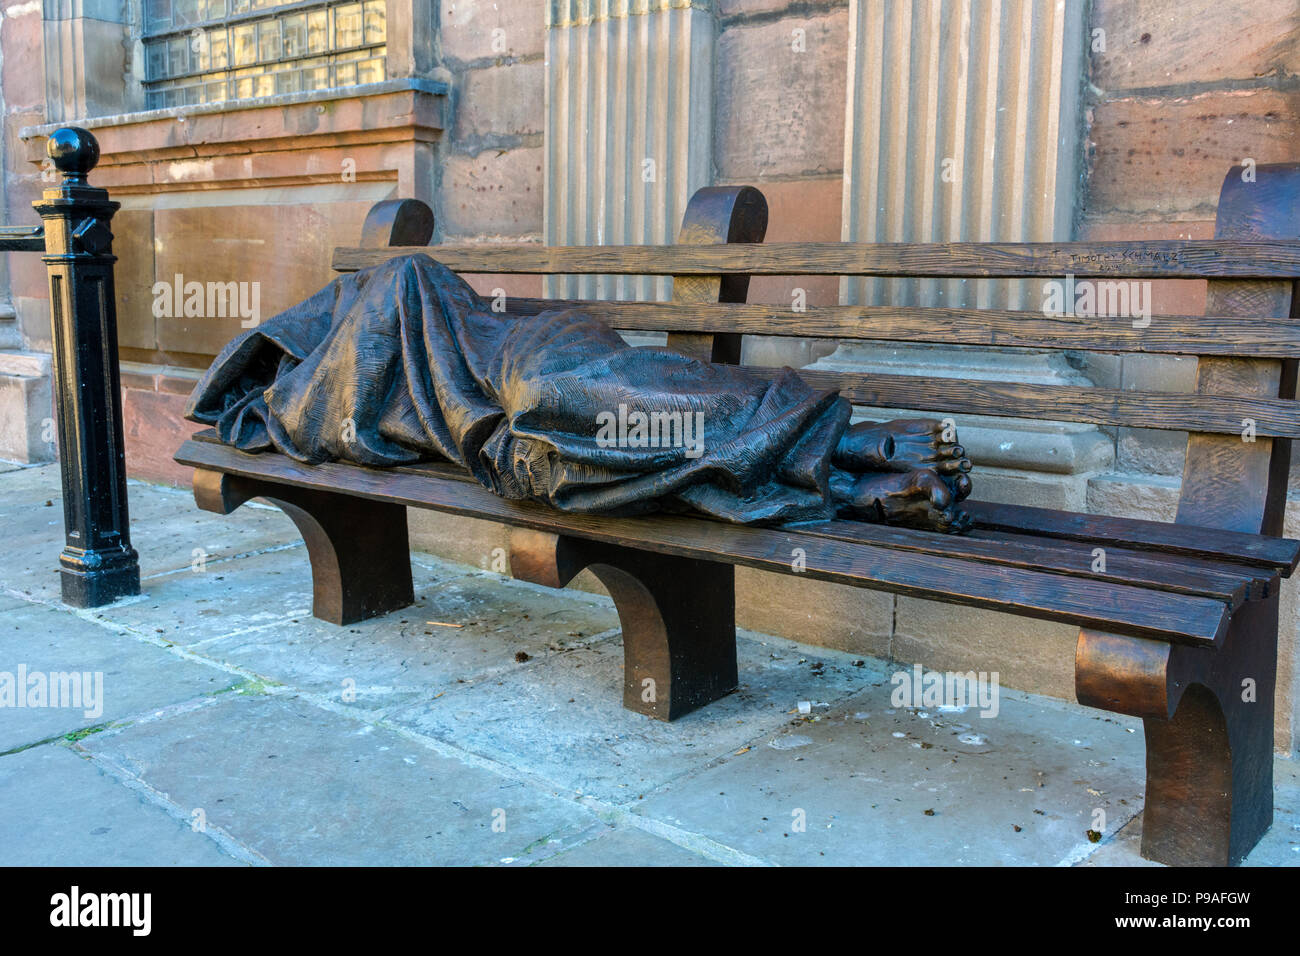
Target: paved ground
point(484, 726)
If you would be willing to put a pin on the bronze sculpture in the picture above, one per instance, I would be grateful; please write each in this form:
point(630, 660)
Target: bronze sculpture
point(404, 362)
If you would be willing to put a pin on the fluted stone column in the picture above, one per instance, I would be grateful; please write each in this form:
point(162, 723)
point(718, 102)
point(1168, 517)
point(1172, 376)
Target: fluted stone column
point(629, 90)
point(963, 124)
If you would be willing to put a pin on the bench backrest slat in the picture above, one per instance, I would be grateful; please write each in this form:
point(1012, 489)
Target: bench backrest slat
point(1165, 259)
point(1166, 334)
point(1168, 411)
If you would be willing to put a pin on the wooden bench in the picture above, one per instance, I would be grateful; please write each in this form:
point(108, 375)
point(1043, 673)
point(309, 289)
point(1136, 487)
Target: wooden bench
point(1182, 614)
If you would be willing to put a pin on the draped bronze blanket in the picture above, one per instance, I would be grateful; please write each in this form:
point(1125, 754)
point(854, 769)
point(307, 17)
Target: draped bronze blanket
point(404, 362)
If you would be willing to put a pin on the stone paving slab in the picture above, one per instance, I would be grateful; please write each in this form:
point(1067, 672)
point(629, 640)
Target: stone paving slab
point(300, 785)
point(188, 607)
point(12, 601)
point(626, 846)
point(31, 514)
point(137, 676)
point(171, 531)
point(166, 529)
point(60, 810)
point(416, 654)
point(563, 717)
point(871, 784)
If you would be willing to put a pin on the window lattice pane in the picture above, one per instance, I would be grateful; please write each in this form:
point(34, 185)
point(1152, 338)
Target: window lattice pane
point(159, 13)
point(219, 49)
point(245, 49)
point(156, 61)
point(178, 59)
point(200, 52)
point(295, 35)
point(268, 41)
point(185, 12)
point(347, 26)
point(318, 31)
point(245, 35)
point(375, 16)
point(370, 71)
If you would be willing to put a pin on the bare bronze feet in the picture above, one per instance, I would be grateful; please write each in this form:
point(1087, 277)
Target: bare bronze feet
point(900, 445)
point(917, 499)
point(903, 445)
point(902, 472)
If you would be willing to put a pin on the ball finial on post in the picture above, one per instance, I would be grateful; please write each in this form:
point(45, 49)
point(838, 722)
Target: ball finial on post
point(74, 152)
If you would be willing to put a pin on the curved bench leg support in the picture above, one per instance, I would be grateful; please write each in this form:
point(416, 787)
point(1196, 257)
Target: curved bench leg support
point(1208, 721)
point(359, 550)
point(678, 616)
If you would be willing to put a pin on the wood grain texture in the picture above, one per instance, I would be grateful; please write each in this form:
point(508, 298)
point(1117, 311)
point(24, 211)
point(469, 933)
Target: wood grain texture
point(1059, 556)
point(1167, 334)
point(1172, 411)
point(1230, 483)
point(1158, 614)
point(1211, 544)
point(1163, 259)
point(1258, 557)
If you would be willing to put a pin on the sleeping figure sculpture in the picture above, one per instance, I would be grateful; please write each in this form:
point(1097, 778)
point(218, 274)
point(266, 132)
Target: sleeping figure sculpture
point(404, 362)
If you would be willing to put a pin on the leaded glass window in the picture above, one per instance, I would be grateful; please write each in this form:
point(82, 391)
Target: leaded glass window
point(206, 51)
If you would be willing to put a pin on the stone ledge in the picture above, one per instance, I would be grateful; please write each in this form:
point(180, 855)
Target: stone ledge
point(1150, 497)
point(183, 113)
point(173, 379)
point(386, 129)
point(26, 404)
point(25, 364)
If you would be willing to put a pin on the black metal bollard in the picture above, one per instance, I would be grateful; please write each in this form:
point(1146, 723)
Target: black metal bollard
point(98, 564)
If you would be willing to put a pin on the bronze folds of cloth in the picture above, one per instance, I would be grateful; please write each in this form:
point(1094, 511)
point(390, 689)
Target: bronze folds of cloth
point(403, 362)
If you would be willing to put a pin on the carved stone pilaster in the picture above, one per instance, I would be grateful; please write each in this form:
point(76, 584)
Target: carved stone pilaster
point(629, 91)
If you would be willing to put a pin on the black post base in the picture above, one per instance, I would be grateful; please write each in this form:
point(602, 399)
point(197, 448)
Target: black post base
point(88, 582)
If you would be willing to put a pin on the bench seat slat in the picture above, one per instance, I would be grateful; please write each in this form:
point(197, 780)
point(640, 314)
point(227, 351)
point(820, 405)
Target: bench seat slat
point(1260, 582)
point(1261, 558)
point(1185, 575)
point(999, 328)
point(1152, 259)
point(1156, 614)
point(1281, 554)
